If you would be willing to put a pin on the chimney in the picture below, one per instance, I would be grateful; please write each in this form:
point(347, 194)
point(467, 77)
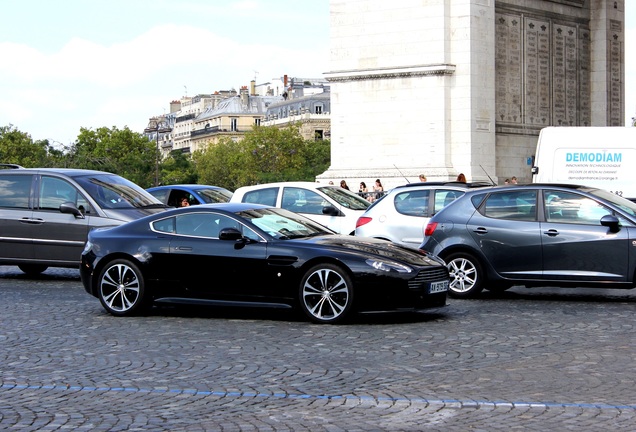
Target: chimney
point(244, 95)
point(253, 88)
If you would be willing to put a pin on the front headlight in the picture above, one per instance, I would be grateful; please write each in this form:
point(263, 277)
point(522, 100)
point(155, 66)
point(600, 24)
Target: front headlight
point(387, 266)
point(87, 247)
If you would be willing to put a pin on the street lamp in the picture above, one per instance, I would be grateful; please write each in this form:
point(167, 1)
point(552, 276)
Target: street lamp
point(157, 125)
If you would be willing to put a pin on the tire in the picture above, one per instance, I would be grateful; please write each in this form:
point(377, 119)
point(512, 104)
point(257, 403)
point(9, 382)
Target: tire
point(498, 287)
point(32, 269)
point(467, 277)
point(326, 294)
point(121, 288)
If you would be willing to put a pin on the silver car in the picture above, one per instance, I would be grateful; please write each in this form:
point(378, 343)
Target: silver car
point(46, 213)
point(401, 215)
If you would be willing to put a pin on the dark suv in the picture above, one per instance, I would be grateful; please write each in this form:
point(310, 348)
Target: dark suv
point(46, 213)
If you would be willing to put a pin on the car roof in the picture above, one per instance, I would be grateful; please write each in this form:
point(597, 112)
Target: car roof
point(305, 184)
point(458, 184)
point(71, 172)
point(185, 186)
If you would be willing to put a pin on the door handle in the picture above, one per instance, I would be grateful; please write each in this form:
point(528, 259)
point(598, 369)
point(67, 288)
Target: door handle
point(481, 230)
point(183, 248)
point(551, 232)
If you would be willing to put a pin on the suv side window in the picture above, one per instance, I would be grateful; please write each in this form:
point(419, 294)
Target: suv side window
point(15, 191)
point(512, 205)
point(55, 191)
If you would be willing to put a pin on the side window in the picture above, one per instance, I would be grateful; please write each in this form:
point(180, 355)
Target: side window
point(204, 224)
point(566, 207)
point(445, 197)
point(55, 191)
point(164, 225)
point(307, 201)
point(15, 191)
point(412, 203)
point(512, 205)
point(161, 195)
point(265, 196)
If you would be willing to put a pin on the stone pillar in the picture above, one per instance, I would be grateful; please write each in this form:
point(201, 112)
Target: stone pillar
point(607, 74)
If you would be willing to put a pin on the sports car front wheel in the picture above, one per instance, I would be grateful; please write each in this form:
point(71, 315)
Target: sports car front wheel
point(326, 294)
point(121, 288)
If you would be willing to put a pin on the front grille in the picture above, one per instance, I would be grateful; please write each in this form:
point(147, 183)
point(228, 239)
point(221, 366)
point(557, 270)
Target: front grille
point(425, 276)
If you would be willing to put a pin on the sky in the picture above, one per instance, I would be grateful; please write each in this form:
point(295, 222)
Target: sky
point(68, 64)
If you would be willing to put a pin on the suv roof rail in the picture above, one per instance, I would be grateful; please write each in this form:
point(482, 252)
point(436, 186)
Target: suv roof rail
point(10, 166)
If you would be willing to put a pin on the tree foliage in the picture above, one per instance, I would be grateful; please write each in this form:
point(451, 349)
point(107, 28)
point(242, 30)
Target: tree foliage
point(266, 154)
point(120, 151)
point(18, 148)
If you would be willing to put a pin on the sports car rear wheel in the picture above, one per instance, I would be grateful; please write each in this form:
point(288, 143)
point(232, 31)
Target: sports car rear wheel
point(467, 277)
point(326, 294)
point(121, 288)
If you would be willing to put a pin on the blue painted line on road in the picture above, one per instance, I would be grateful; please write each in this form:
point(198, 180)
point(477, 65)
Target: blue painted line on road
point(453, 402)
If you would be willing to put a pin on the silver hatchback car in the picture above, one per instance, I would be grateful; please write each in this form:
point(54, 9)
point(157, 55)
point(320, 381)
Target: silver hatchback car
point(402, 214)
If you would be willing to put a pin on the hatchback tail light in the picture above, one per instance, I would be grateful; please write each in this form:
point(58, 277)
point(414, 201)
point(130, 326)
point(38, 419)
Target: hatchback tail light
point(430, 228)
point(362, 220)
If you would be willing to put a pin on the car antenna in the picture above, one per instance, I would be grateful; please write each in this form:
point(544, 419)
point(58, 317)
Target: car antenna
point(491, 180)
point(407, 180)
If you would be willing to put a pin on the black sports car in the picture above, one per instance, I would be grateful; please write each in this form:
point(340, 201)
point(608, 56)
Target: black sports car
point(254, 255)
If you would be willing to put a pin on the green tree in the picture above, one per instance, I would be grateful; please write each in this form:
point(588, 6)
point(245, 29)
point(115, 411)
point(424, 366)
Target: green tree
point(120, 151)
point(266, 154)
point(18, 148)
point(178, 168)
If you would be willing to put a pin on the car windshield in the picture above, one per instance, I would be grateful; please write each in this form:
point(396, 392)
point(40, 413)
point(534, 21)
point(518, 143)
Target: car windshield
point(624, 204)
point(215, 195)
point(345, 198)
point(283, 224)
point(115, 192)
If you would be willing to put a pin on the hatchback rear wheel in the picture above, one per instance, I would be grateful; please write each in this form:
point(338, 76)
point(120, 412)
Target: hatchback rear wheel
point(467, 277)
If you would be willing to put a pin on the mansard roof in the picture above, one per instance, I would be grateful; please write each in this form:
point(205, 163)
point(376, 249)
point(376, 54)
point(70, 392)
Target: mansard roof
point(256, 105)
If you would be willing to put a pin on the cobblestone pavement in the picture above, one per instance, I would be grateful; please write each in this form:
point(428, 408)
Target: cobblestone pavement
point(544, 359)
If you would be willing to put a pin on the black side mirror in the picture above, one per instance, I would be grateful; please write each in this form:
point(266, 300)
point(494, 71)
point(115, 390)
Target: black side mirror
point(330, 211)
point(69, 207)
point(230, 234)
point(611, 222)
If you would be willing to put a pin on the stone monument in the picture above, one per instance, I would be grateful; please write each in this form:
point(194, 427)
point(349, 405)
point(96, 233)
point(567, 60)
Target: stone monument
point(441, 87)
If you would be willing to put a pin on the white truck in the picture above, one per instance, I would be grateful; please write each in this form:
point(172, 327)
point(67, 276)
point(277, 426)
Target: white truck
point(602, 157)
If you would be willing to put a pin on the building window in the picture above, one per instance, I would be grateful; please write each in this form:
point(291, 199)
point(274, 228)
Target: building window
point(234, 124)
point(318, 109)
point(318, 135)
point(257, 121)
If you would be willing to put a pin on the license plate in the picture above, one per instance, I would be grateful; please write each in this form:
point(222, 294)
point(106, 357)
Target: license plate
point(437, 287)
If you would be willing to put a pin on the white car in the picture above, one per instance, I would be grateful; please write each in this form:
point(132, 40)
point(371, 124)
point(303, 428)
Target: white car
point(329, 205)
point(402, 214)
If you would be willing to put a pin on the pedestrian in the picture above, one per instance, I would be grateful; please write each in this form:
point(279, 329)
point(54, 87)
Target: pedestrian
point(422, 178)
point(378, 188)
point(461, 178)
point(506, 182)
point(343, 184)
point(513, 180)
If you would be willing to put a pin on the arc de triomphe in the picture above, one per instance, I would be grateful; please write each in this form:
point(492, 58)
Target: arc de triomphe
point(447, 86)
